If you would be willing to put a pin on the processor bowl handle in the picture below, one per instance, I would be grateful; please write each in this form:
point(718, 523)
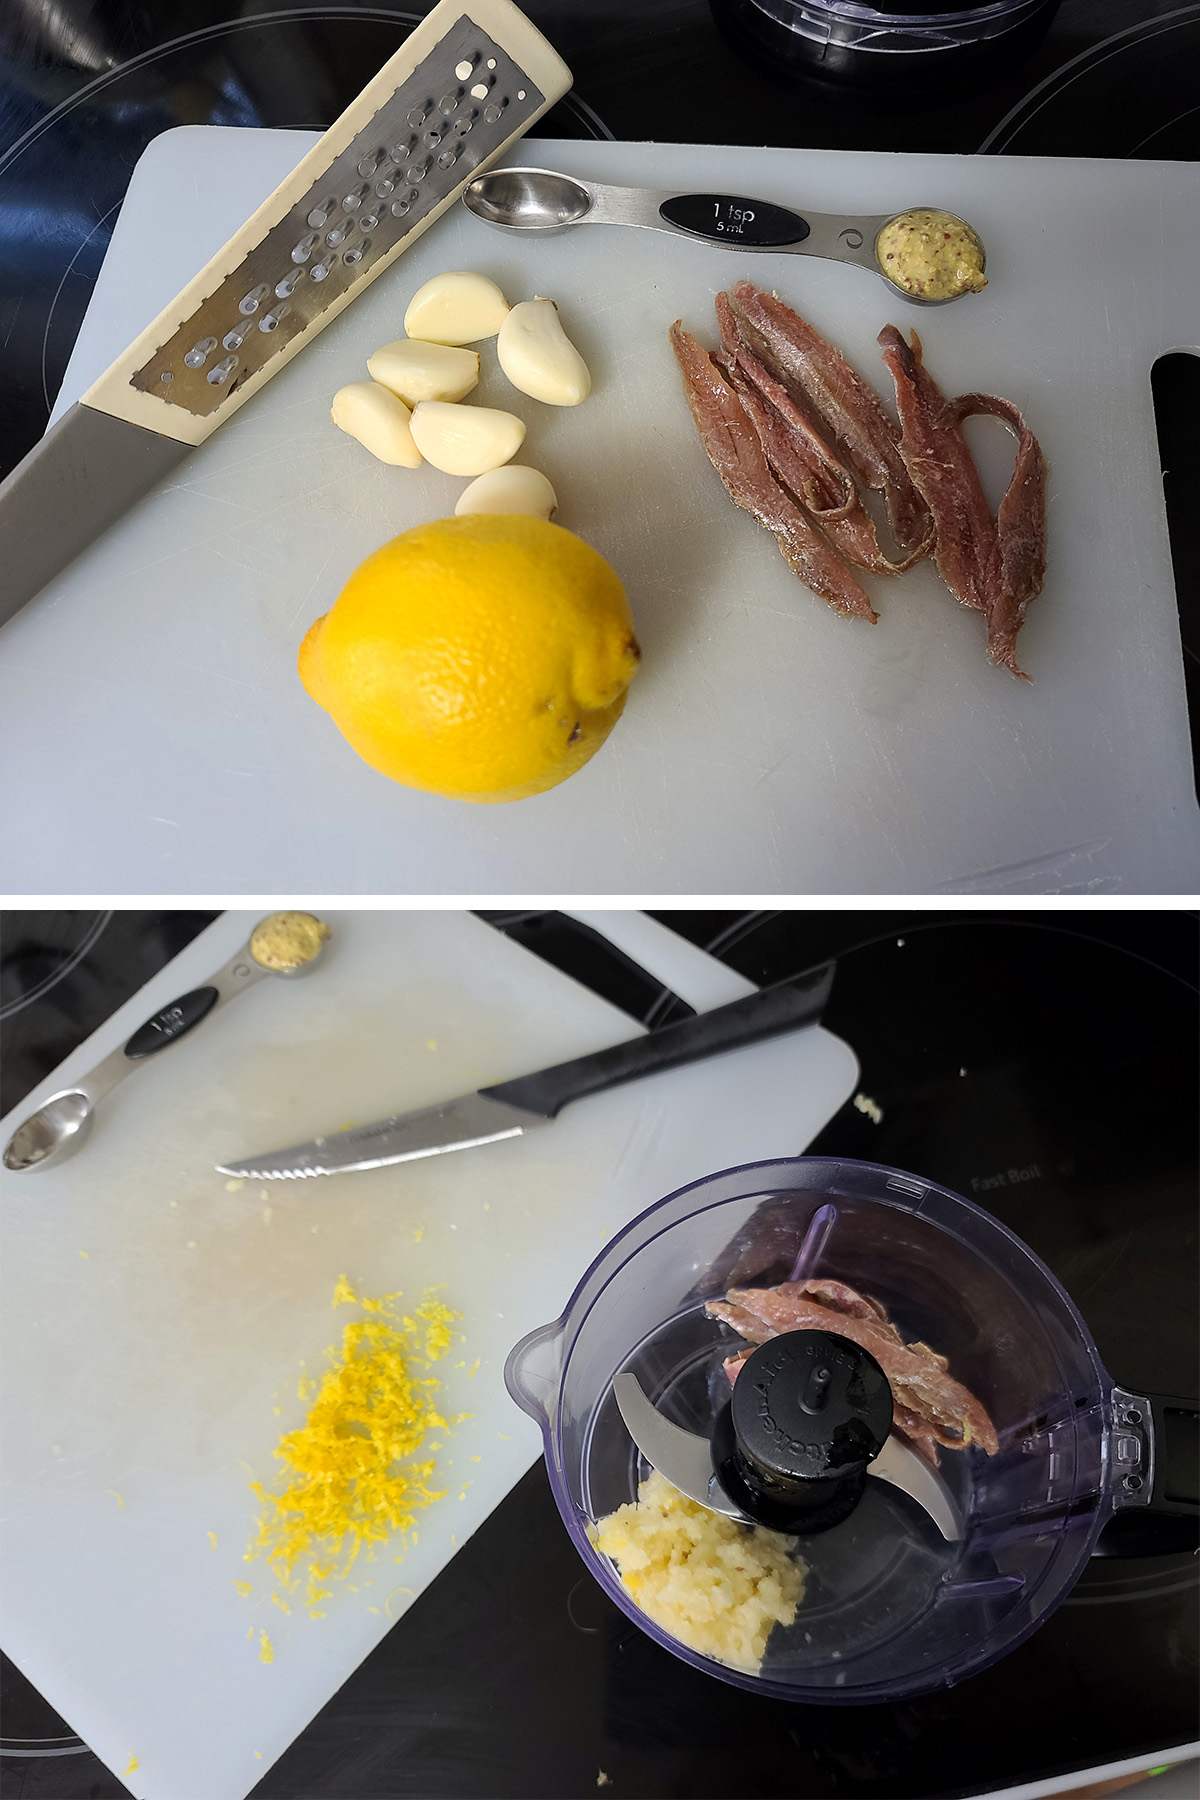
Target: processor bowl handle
point(1153, 1479)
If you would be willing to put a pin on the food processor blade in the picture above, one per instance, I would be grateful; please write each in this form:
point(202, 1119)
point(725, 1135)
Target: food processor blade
point(898, 1463)
point(685, 1459)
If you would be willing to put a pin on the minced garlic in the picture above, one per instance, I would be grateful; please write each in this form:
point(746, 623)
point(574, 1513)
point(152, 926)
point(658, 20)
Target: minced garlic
point(717, 1586)
point(351, 1478)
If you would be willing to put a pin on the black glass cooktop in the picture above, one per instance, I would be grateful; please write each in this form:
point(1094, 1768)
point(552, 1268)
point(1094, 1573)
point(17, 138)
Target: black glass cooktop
point(1045, 1065)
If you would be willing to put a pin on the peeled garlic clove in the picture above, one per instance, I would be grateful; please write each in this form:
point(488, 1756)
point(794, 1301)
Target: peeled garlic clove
point(456, 308)
point(379, 420)
point(514, 489)
point(465, 440)
point(539, 358)
point(418, 371)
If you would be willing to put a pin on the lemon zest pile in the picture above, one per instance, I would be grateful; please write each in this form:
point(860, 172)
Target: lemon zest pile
point(267, 1653)
point(351, 1473)
point(132, 1769)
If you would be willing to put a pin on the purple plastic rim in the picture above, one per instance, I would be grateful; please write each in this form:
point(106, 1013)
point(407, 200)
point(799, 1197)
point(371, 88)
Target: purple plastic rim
point(600, 1567)
point(854, 12)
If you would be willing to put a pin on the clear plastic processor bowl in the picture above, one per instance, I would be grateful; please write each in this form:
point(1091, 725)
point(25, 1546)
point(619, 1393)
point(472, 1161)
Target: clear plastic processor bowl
point(890, 1607)
point(890, 45)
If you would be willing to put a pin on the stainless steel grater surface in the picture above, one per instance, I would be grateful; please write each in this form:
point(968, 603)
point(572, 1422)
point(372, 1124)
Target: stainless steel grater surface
point(452, 115)
point(468, 82)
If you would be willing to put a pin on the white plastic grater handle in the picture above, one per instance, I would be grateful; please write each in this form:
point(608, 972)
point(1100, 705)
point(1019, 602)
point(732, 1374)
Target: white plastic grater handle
point(113, 393)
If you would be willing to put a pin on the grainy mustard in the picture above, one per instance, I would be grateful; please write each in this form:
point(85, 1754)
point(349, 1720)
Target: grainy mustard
point(287, 940)
point(931, 254)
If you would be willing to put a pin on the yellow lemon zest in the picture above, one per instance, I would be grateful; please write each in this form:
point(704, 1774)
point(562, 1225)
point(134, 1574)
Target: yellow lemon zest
point(267, 1652)
point(352, 1473)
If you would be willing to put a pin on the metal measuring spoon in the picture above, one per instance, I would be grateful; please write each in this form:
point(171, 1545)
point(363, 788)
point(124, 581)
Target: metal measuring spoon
point(540, 201)
point(61, 1124)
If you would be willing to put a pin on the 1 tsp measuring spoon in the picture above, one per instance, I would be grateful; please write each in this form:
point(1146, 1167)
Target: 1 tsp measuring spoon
point(62, 1123)
point(539, 201)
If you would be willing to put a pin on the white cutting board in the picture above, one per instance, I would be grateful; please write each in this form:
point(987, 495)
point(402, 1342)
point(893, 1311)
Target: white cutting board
point(151, 1317)
point(154, 736)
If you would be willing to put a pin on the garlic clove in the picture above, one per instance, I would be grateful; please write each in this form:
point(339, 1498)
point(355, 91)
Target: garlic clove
point(539, 358)
point(419, 371)
point(465, 440)
point(512, 489)
point(379, 420)
point(456, 308)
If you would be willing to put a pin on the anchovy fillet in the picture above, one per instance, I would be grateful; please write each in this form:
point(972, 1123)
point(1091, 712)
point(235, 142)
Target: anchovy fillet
point(929, 1406)
point(802, 459)
point(1020, 526)
point(815, 474)
point(735, 452)
point(995, 564)
point(849, 413)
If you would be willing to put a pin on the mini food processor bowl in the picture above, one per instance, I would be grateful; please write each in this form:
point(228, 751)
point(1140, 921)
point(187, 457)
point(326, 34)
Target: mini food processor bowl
point(891, 44)
point(890, 1608)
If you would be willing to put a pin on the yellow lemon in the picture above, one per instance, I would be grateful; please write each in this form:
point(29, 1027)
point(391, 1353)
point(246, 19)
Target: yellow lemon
point(484, 657)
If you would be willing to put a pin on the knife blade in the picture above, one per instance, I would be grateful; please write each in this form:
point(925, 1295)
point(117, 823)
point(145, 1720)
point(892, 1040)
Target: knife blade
point(455, 1125)
point(511, 1108)
point(361, 196)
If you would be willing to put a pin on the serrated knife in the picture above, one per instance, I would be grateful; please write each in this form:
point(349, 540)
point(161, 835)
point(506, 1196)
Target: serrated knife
point(466, 84)
point(511, 1108)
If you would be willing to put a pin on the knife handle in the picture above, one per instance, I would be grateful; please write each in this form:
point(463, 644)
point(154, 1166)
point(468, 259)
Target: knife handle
point(766, 1014)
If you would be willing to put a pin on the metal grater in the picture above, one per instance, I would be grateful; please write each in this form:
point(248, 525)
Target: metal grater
point(466, 84)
